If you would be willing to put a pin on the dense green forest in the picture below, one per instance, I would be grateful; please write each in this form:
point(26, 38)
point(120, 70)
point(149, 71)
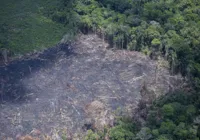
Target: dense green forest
point(158, 28)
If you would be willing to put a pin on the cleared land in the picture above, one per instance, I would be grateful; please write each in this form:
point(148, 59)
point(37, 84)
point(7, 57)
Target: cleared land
point(71, 88)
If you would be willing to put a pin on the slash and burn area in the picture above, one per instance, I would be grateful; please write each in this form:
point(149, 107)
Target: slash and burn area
point(72, 88)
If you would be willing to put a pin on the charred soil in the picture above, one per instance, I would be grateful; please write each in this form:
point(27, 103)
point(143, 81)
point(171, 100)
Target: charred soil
point(72, 88)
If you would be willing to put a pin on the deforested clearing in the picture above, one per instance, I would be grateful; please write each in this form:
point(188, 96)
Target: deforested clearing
point(77, 87)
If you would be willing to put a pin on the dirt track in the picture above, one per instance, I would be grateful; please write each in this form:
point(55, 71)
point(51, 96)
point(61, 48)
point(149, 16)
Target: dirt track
point(51, 91)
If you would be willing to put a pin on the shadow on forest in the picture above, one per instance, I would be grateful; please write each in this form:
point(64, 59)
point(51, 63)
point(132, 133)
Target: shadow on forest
point(11, 75)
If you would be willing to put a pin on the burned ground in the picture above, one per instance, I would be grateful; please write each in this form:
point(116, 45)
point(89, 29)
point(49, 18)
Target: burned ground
point(60, 89)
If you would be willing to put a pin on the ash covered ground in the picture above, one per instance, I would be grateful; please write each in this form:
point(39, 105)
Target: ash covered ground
point(71, 88)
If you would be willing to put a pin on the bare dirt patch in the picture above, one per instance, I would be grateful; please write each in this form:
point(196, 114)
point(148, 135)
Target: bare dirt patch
point(71, 88)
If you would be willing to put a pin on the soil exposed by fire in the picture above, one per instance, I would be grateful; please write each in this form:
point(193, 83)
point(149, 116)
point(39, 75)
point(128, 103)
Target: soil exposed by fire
point(71, 88)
